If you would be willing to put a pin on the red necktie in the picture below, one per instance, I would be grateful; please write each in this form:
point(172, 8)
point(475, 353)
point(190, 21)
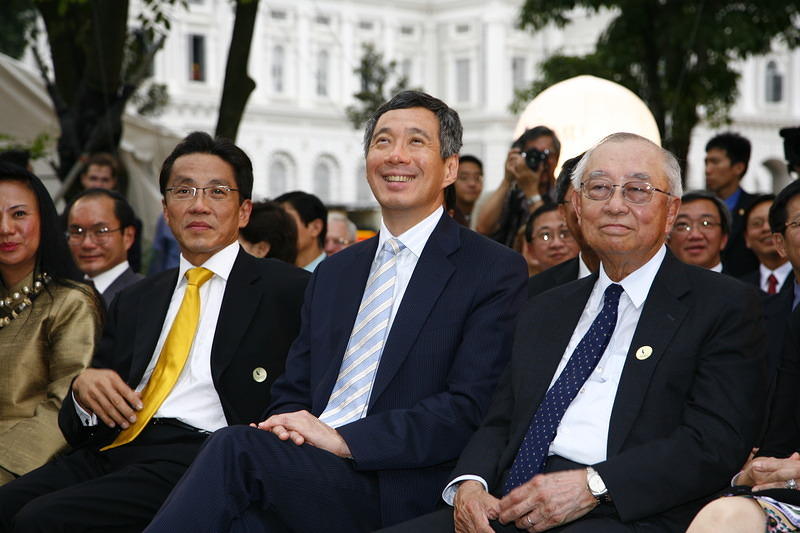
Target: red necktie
point(772, 284)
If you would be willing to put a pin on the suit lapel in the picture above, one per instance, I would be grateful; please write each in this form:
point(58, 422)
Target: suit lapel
point(239, 304)
point(430, 277)
point(661, 317)
point(348, 292)
point(152, 310)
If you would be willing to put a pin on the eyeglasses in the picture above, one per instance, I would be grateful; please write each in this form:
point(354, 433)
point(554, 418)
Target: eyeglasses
point(704, 225)
point(469, 178)
point(215, 192)
point(757, 223)
point(635, 192)
point(548, 236)
point(338, 240)
point(794, 224)
point(100, 234)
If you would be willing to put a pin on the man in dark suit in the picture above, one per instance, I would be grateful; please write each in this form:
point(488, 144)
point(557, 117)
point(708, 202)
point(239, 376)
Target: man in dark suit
point(773, 270)
point(180, 357)
point(633, 373)
point(578, 267)
point(727, 157)
point(356, 441)
point(100, 233)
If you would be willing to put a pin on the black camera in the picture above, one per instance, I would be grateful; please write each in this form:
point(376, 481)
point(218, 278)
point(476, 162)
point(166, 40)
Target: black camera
point(791, 147)
point(534, 158)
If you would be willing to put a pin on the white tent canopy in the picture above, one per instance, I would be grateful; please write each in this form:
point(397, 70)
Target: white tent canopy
point(27, 113)
point(584, 109)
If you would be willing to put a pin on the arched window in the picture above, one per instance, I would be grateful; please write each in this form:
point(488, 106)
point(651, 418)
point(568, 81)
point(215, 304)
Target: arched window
point(277, 68)
point(363, 192)
point(326, 179)
point(281, 170)
point(774, 83)
point(322, 73)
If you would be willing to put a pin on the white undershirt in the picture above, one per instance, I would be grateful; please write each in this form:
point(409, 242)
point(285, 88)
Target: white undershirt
point(582, 435)
point(103, 280)
point(780, 273)
point(194, 399)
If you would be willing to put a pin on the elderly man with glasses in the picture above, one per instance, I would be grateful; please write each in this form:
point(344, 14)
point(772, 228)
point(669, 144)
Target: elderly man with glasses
point(637, 398)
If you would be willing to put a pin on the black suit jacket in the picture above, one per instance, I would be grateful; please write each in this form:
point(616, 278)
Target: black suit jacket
point(258, 320)
point(124, 280)
point(554, 276)
point(777, 309)
point(683, 420)
point(737, 257)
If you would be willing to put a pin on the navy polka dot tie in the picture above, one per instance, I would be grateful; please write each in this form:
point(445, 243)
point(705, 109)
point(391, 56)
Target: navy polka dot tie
point(542, 430)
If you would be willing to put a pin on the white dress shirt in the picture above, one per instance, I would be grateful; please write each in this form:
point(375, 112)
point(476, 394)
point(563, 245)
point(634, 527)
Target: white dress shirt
point(780, 274)
point(103, 280)
point(582, 435)
point(716, 268)
point(583, 270)
point(193, 400)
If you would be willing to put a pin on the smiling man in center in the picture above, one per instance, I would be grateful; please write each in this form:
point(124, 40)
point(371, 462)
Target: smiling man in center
point(402, 340)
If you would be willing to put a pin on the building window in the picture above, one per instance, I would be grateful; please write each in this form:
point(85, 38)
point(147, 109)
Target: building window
point(462, 28)
point(277, 14)
point(197, 58)
point(278, 175)
point(322, 73)
point(323, 175)
point(366, 25)
point(518, 72)
point(407, 30)
point(277, 69)
point(405, 68)
point(774, 83)
point(323, 20)
point(462, 80)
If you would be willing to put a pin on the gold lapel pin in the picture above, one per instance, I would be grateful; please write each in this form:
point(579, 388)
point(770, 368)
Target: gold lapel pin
point(644, 352)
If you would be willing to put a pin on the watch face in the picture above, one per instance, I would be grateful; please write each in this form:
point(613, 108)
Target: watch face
point(596, 485)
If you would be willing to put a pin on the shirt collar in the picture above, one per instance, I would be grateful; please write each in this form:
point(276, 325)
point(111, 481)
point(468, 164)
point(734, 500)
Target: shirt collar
point(414, 238)
point(315, 263)
point(103, 280)
point(636, 284)
point(220, 263)
point(733, 199)
point(717, 268)
point(780, 273)
point(583, 270)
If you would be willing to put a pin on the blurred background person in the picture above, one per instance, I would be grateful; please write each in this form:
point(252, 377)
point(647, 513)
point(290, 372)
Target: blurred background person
point(701, 230)
point(49, 323)
point(165, 251)
point(341, 233)
point(727, 158)
point(527, 183)
point(468, 186)
point(773, 270)
point(100, 233)
point(548, 241)
point(271, 232)
point(311, 219)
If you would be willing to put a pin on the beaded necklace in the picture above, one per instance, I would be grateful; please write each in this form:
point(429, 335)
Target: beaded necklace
point(14, 304)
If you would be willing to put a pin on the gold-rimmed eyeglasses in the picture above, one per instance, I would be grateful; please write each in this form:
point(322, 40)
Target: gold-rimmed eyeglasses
point(635, 192)
point(215, 192)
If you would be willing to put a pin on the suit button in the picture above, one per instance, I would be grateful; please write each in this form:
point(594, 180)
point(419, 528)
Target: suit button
point(259, 374)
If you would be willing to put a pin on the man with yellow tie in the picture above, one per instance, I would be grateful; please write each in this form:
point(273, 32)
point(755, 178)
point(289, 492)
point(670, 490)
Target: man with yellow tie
point(183, 354)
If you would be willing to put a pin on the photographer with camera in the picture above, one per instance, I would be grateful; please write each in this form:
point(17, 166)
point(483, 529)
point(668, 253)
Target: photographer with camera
point(527, 184)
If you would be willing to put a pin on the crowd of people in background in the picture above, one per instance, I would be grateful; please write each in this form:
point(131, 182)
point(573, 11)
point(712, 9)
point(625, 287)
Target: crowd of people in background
point(385, 376)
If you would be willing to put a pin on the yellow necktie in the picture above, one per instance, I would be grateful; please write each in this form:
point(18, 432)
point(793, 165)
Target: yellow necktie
point(172, 358)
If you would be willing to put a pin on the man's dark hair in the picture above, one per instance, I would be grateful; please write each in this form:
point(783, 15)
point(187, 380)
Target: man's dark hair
point(565, 178)
point(16, 156)
point(757, 200)
point(722, 209)
point(778, 213)
point(471, 159)
point(734, 145)
point(533, 134)
point(122, 209)
point(539, 211)
point(450, 130)
point(53, 256)
point(103, 159)
point(199, 142)
point(270, 223)
point(310, 208)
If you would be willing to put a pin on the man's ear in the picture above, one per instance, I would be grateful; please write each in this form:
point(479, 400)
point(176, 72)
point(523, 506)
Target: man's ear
point(576, 203)
point(315, 227)
point(780, 245)
point(245, 209)
point(128, 236)
point(450, 170)
point(739, 169)
point(724, 242)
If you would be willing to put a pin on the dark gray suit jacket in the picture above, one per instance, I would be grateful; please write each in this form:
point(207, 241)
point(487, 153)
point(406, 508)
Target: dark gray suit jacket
point(124, 280)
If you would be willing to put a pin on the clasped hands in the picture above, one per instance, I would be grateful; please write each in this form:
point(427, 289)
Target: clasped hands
point(763, 473)
point(302, 427)
point(544, 502)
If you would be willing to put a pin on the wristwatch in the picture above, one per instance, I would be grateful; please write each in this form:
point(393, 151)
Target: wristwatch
point(596, 486)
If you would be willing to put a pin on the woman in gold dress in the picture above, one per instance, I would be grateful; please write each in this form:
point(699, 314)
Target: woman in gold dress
point(49, 323)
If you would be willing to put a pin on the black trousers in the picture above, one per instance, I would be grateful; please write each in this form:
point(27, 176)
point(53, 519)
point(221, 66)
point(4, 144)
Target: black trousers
point(118, 490)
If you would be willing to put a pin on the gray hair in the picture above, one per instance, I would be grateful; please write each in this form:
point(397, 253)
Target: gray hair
point(672, 170)
point(450, 129)
point(339, 217)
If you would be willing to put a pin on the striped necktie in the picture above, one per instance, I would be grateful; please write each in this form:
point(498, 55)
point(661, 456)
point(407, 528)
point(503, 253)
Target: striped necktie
point(172, 358)
point(349, 399)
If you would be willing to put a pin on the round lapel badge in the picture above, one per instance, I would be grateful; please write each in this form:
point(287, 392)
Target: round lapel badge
point(259, 374)
point(644, 352)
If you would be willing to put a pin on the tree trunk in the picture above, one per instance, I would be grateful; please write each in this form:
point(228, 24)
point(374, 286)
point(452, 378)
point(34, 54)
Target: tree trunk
point(238, 84)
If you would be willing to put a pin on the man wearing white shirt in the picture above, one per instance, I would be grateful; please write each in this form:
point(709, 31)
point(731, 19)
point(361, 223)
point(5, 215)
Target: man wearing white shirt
point(100, 232)
point(661, 366)
point(403, 338)
point(183, 354)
